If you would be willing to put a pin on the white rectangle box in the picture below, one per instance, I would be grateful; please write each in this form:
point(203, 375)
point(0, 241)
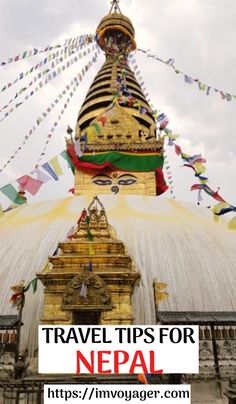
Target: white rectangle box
point(118, 349)
point(119, 394)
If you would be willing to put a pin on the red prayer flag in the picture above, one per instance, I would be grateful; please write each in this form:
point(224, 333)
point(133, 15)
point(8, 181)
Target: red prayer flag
point(178, 150)
point(29, 184)
point(216, 196)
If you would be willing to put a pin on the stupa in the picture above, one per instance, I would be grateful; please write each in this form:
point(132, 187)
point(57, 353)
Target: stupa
point(131, 237)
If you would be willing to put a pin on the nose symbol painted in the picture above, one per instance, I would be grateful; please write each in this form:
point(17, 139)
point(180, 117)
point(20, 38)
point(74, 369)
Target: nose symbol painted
point(115, 189)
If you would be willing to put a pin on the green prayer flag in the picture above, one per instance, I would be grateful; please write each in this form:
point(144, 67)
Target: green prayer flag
point(34, 285)
point(66, 156)
point(10, 192)
point(97, 127)
point(87, 220)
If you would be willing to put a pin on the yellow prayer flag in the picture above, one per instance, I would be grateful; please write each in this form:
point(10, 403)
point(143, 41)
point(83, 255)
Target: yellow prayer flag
point(217, 208)
point(90, 133)
point(56, 166)
point(173, 136)
point(160, 285)
point(162, 296)
point(185, 156)
point(47, 267)
point(159, 292)
point(200, 168)
point(1, 211)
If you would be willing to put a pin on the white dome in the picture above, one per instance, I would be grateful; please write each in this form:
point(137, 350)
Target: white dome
point(175, 242)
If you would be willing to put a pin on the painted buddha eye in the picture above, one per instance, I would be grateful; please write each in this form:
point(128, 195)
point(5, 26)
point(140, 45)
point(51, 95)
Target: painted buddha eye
point(127, 179)
point(102, 182)
point(102, 179)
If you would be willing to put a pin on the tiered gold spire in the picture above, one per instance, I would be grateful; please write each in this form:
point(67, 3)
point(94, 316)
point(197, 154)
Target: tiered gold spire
point(115, 36)
point(115, 125)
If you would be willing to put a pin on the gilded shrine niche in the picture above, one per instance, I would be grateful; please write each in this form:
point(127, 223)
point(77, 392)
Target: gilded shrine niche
point(91, 279)
point(86, 291)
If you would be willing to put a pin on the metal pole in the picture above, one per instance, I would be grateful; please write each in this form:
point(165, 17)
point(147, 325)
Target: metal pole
point(155, 298)
point(216, 361)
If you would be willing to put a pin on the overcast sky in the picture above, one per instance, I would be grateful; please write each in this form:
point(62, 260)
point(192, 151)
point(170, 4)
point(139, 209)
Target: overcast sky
point(199, 34)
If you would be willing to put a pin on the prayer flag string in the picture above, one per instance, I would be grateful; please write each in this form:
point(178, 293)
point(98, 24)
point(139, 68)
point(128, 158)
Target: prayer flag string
point(41, 118)
point(48, 171)
point(205, 88)
point(68, 51)
point(51, 74)
point(36, 51)
point(75, 83)
point(195, 162)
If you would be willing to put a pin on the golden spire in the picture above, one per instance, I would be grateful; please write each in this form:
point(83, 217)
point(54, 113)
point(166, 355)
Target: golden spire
point(116, 117)
point(116, 84)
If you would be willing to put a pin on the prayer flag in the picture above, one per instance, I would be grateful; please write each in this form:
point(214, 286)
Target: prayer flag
point(66, 156)
point(222, 208)
point(216, 196)
point(177, 149)
point(83, 290)
point(188, 79)
point(197, 158)
point(89, 134)
point(96, 126)
point(41, 176)
point(10, 192)
point(161, 296)
point(56, 166)
point(223, 96)
point(48, 168)
point(199, 167)
point(170, 62)
point(103, 120)
point(71, 233)
point(29, 184)
point(77, 148)
point(32, 283)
